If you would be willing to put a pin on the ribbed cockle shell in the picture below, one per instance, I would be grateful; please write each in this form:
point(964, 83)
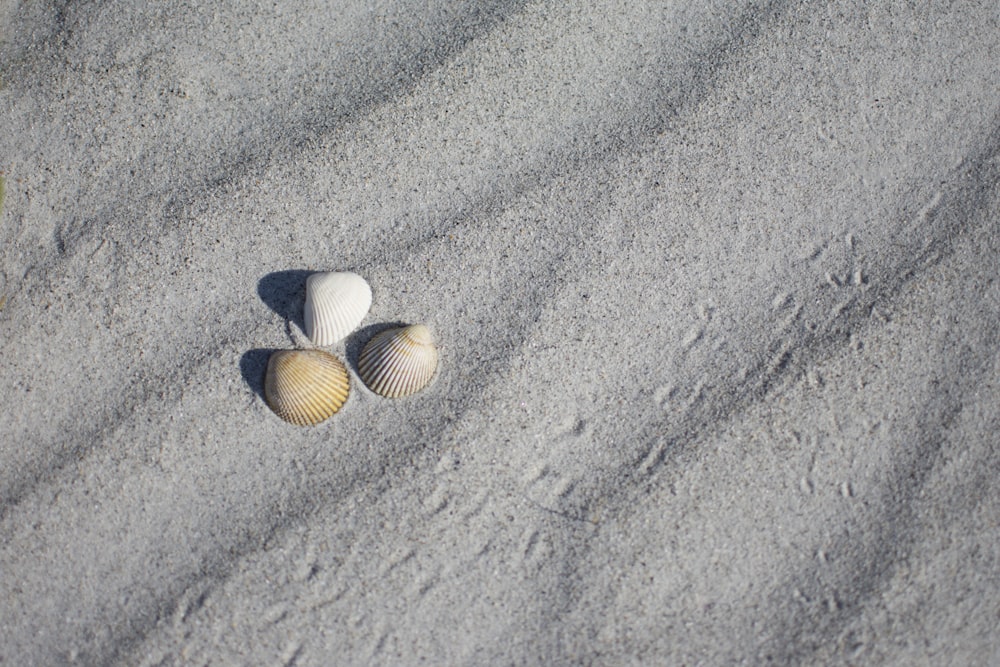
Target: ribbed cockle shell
point(305, 387)
point(335, 305)
point(399, 362)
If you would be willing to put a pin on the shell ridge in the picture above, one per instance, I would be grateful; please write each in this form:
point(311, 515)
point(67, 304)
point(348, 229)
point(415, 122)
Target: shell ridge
point(410, 371)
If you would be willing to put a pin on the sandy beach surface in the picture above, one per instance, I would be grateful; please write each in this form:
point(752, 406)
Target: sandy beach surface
point(715, 290)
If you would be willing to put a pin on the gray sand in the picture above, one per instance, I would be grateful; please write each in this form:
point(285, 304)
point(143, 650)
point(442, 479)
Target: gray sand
point(715, 291)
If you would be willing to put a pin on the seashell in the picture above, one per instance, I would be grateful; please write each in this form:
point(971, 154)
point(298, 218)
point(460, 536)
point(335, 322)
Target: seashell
point(335, 305)
point(398, 362)
point(305, 387)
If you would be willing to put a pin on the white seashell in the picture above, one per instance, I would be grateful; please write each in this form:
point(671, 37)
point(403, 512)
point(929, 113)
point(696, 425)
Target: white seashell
point(305, 387)
point(335, 305)
point(398, 362)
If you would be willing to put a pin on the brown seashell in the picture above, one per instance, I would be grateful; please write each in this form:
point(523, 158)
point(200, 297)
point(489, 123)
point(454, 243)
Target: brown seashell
point(399, 362)
point(305, 387)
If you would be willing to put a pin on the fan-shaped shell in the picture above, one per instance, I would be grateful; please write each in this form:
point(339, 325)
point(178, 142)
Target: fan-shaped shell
point(305, 387)
point(335, 305)
point(399, 362)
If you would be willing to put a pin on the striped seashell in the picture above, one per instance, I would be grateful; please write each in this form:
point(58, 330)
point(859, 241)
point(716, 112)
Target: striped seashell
point(335, 305)
point(399, 362)
point(305, 387)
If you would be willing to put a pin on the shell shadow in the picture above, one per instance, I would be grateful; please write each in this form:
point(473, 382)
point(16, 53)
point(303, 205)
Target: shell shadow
point(357, 340)
point(284, 292)
point(253, 364)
